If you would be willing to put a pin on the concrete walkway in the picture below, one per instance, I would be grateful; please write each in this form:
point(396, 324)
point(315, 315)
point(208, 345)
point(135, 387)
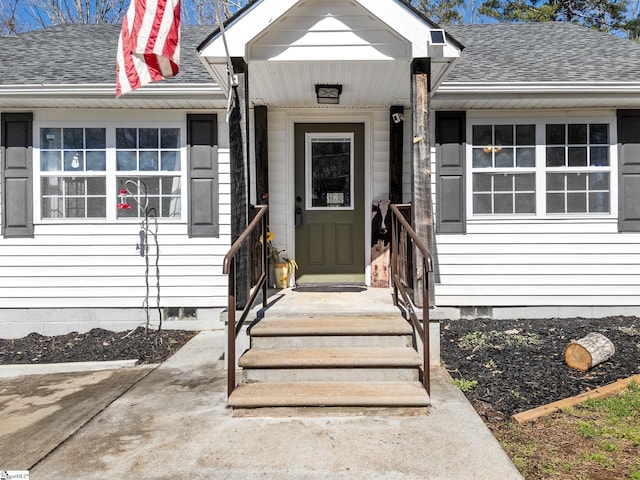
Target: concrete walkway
point(173, 423)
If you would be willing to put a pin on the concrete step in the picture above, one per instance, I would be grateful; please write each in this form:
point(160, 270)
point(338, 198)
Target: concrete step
point(330, 374)
point(329, 394)
point(306, 341)
point(339, 357)
point(361, 361)
point(331, 326)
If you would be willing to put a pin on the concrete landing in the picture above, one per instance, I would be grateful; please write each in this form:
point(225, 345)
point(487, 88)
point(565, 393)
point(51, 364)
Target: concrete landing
point(174, 423)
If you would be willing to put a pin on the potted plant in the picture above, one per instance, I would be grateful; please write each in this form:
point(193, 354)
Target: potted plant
point(283, 267)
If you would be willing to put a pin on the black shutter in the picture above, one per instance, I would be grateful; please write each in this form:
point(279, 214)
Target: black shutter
point(17, 174)
point(202, 137)
point(450, 164)
point(629, 170)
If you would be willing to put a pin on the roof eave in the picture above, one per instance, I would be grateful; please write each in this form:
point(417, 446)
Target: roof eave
point(539, 87)
point(196, 96)
point(528, 95)
point(108, 90)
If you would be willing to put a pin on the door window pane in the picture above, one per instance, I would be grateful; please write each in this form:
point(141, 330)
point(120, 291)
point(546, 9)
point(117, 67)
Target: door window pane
point(329, 172)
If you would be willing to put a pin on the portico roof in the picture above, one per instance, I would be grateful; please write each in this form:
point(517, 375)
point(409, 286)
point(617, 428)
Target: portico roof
point(291, 45)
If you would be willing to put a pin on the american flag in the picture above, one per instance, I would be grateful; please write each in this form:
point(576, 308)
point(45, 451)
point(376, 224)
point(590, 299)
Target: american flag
point(149, 46)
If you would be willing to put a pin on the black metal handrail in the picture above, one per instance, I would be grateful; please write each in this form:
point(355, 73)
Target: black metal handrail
point(402, 235)
point(229, 268)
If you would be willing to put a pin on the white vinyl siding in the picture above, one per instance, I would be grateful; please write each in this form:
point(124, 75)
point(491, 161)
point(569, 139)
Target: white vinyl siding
point(349, 33)
point(543, 263)
point(94, 264)
point(99, 266)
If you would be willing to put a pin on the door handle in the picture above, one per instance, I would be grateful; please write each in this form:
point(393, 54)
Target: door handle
point(298, 217)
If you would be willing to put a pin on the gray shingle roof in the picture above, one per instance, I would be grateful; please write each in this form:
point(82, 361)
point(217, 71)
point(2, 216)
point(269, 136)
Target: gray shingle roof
point(527, 52)
point(543, 52)
point(83, 54)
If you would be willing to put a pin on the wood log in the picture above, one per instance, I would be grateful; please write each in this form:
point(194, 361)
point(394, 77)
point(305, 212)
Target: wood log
point(589, 351)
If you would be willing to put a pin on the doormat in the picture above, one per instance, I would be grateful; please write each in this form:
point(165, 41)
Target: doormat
point(330, 288)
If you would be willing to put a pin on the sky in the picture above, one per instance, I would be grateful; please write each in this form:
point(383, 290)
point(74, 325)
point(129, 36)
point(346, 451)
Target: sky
point(26, 19)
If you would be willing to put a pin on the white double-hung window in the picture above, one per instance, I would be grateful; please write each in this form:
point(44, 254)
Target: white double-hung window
point(148, 159)
point(73, 169)
point(578, 168)
point(83, 170)
point(503, 166)
point(541, 168)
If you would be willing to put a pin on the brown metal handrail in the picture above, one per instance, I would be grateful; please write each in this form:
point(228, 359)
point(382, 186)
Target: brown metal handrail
point(229, 268)
point(401, 235)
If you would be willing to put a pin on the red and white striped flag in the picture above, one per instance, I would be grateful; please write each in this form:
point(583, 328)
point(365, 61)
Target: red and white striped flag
point(149, 46)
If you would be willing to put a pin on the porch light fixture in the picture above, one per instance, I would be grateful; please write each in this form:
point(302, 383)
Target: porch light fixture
point(328, 94)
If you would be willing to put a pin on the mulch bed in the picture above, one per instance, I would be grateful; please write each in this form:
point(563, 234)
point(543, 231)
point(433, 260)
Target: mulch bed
point(519, 365)
point(96, 345)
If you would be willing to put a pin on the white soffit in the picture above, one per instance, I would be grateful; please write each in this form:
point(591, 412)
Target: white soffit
point(364, 84)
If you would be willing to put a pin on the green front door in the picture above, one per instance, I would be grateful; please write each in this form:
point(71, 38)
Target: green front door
point(329, 207)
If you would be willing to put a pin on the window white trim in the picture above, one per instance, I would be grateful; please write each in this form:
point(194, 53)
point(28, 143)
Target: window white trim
point(541, 169)
point(111, 173)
